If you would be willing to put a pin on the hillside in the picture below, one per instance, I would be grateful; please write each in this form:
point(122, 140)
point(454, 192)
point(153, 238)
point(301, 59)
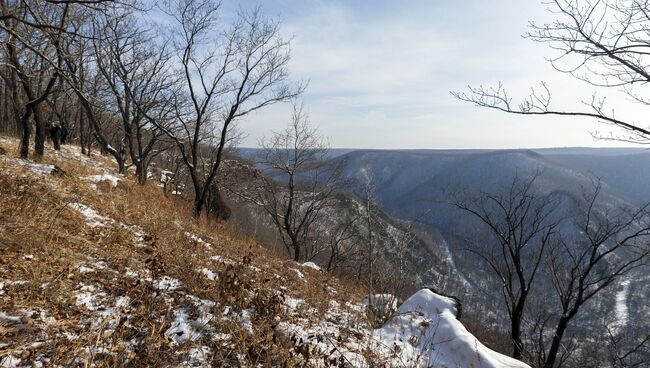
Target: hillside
point(417, 185)
point(424, 258)
point(99, 271)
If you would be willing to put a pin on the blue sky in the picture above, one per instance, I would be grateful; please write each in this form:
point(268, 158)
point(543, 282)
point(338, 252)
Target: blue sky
point(380, 73)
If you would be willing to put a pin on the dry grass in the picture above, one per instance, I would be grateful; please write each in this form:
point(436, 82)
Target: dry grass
point(45, 245)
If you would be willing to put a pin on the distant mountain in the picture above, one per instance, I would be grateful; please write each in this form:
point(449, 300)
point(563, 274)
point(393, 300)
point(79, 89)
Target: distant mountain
point(411, 184)
point(628, 173)
point(416, 185)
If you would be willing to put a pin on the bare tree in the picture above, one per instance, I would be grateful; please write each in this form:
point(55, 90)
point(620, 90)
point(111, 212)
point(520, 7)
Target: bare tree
point(342, 243)
point(227, 74)
point(41, 32)
point(300, 185)
point(36, 76)
point(608, 246)
point(136, 71)
point(604, 43)
point(523, 225)
point(629, 350)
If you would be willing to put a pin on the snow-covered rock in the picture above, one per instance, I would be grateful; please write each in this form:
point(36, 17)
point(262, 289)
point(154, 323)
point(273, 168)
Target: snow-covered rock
point(426, 333)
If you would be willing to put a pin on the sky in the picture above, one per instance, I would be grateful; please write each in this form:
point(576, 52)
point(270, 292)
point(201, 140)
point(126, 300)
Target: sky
point(380, 75)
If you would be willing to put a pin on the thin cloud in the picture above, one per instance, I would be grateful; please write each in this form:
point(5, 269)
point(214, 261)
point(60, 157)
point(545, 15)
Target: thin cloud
point(380, 74)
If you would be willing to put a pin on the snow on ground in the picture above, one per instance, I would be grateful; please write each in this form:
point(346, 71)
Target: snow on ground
point(621, 311)
point(94, 180)
point(166, 176)
point(340, 334)
point(312, 265)
point(223, 260)
point(84, 269)
point(209, 274)
point(93, 218)
point(196, 239)
point(197, 357)
point(384, 304)
point(299, 274)
point(167, 283)
point(292, 304)
point(39, 169)
point(181, 329)
point(423, 333)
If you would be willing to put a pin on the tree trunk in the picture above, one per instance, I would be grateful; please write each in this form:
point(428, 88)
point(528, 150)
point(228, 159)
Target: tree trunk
point(198, 200)
point(4, 123)
point(82, 140)
point(121, 166)
point(330, 262)
point(217, 207)
point(515, 332)
point(296, 252)
point(198, 206)
point(56, 141)
point(39, 139)
point(555, 344)
point(140, 172)
point(26, 128)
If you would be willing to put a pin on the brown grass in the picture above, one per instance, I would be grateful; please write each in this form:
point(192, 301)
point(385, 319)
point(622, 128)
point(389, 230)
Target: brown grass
point(43, 241)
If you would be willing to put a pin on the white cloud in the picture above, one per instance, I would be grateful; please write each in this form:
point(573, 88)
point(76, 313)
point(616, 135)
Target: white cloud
point(380, 74)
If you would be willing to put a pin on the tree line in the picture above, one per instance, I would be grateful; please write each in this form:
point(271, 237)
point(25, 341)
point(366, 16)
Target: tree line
point(166, 84)
point(103, 74)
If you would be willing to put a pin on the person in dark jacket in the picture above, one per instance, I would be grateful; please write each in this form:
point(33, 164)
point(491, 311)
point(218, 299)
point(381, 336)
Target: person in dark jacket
point(56, 133)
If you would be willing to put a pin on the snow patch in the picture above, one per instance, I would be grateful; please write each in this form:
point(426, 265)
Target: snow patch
point(94, 219)
point(292, 303)
point(300, 274)
point(209, 274)
point(184, 328)
point(84, 269)
point(96, 179)
point(621, 310)
point(167, 283)
point(196, 239)
point(181, 330)
point(39, 169)
point(223, 260)
point(312, 265)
